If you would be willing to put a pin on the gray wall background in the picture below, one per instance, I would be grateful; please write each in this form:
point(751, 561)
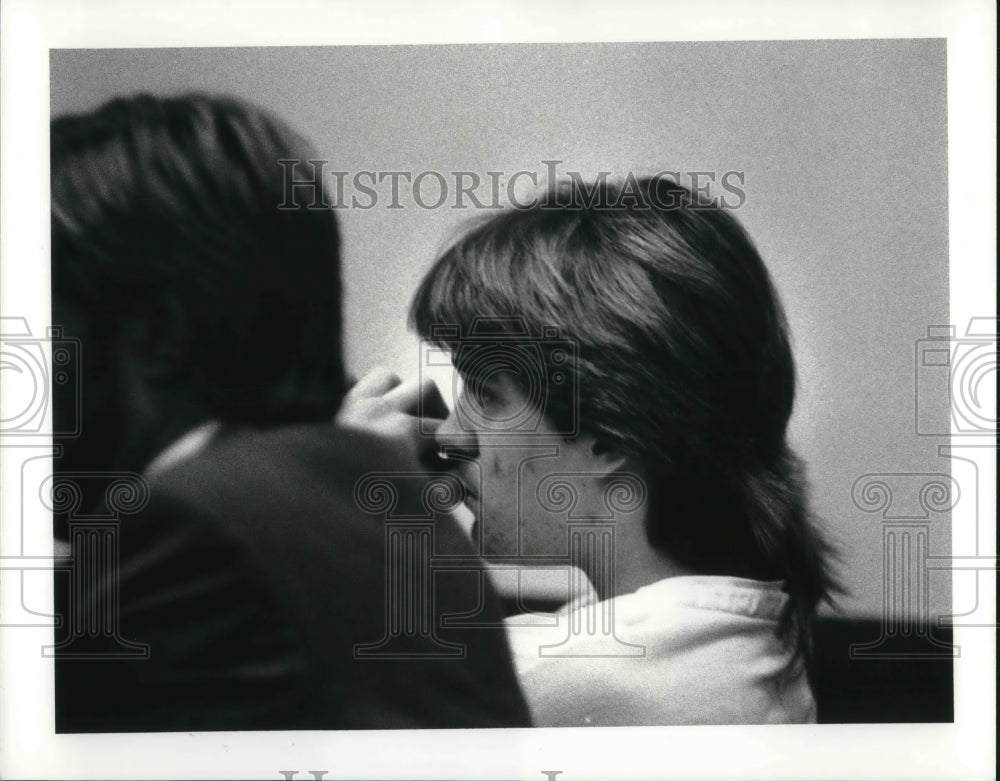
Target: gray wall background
point(844, 149)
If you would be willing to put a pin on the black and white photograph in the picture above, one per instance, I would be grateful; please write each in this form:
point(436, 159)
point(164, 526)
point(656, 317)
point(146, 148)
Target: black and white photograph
point(551, 392)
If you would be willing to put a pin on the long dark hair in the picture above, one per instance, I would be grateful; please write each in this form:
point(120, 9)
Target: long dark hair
point(683, 362)
point(165, 217)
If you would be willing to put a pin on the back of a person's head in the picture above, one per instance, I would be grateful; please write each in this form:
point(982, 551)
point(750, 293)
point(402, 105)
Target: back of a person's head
point(167, 234)
point(683, 361)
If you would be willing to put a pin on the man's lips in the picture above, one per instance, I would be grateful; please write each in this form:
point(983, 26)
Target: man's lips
point(471, 494)
point(471, 501)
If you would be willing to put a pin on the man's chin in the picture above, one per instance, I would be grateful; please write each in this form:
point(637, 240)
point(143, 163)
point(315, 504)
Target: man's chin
point(483, 546)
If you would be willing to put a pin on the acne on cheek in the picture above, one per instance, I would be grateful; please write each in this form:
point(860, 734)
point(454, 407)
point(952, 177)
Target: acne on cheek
point(494, 469)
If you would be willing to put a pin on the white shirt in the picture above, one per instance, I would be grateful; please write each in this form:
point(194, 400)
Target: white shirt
point(684, 650)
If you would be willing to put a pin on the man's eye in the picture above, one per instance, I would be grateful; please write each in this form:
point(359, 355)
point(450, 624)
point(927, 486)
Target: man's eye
point(478, 394)
point(484, 397)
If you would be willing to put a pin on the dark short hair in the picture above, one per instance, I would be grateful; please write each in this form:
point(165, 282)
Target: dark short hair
point(683, 363)
point(165, 215)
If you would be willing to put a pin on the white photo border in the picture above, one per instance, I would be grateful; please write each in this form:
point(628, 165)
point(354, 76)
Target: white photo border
point(29, 747)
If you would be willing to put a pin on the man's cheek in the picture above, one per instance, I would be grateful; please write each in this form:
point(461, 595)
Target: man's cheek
point(545, 535)
point(499, 533)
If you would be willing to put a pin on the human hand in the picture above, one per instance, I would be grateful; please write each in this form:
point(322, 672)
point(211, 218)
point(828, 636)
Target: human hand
point(380, 403)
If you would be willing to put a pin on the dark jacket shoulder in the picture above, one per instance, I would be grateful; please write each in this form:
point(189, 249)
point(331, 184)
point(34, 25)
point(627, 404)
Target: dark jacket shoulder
point(257, 575)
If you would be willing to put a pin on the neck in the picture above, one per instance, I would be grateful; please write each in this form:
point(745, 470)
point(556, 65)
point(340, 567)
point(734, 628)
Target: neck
point(635, 562)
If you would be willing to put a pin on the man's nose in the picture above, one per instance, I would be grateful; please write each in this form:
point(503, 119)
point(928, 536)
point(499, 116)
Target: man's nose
point(455, 437)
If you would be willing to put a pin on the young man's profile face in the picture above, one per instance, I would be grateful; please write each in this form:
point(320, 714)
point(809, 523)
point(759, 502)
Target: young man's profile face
point(523, 479)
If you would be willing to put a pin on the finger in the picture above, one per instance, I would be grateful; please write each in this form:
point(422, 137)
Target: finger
point(375, 383)
point(432, 403)
point(418, 398)
point(428, 428)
